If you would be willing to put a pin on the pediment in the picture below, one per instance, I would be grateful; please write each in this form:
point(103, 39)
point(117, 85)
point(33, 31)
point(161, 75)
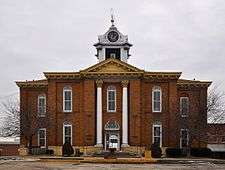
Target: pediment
point(112, 66)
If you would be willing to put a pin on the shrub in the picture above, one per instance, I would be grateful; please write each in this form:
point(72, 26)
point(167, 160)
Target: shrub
point(156, 151)
point(201, 152)
point(218, 155)
point(67, 149)
point(77, 152)
point(49, 152)
point(173, 152)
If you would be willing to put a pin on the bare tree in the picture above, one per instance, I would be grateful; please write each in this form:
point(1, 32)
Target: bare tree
point(10, 118)
point(216, 105)
point(30, 122)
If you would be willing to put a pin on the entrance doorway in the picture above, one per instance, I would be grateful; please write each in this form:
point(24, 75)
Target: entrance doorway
point(112, 135)
point(112, 141)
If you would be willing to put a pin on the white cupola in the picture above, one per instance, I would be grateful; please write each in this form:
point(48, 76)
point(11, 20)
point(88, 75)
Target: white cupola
point(113, 44)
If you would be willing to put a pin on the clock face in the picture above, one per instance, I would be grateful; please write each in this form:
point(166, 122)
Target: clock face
point(113, 36)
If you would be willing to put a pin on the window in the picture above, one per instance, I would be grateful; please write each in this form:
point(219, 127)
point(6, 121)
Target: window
point(42, 137)
point(111, 99)
point(184, 106)
point(183, 138)
point(157, 134)
point(67, 133)
point(41, 105)
point(67, 99)
point(223, 139)
point(156, 99)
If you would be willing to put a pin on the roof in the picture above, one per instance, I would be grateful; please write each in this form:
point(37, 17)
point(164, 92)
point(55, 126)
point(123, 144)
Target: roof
point(216, 147)
point(33, 83)
point(113, 68)
point(193, 83)
point(9, 140)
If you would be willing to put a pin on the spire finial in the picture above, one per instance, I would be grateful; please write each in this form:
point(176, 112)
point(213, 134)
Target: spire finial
point(112, 16)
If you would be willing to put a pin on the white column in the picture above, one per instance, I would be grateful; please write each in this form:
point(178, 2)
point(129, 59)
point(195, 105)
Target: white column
point(99, 114)
point(125, 115)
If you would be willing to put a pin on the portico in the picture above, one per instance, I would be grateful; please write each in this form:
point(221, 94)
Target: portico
point(109, 134)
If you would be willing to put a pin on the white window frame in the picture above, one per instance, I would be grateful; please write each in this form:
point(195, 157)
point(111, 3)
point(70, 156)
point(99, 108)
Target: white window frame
point(153, 137)
point(181, 137)
point(188, 107)
point(68, 125)
point(39, 137)
point(111, 88)
point(156, 89)
point(67, 89)
point(38, 107)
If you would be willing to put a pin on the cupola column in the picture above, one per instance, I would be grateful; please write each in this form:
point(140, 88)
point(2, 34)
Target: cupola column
point(125, 114)
point(99, 113)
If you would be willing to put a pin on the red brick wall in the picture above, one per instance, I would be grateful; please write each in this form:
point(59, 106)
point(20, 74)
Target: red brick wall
point(216, 133)
point(29, 102)
point(141, 117)
point(107, 116)
point(9, 149)
point(135, 101)
point(148, 117)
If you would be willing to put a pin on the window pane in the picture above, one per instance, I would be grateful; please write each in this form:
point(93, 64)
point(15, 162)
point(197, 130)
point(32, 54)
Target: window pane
point(156, 96)
point(67, 130)
point(42, 134)
point(111, 95)
point(67, 133)
point(67, 105)
point(41, 105)
point(184, 138)
point(184, 106)
point(42, 137)
point(157, 140)
point(111, 100)
point(156, 100)
point(67, 95)
point(42, 142)
point(68, 139)
point(156, 106)
point(41, 101)
point(111, 105)
point(156, 131)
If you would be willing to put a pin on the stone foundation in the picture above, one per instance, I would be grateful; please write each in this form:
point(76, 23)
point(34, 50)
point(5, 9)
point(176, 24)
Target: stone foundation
point(57, 150)
point(23, 151)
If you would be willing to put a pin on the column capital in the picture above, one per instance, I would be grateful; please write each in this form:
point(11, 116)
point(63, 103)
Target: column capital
point(124, 83)
point(99, 83)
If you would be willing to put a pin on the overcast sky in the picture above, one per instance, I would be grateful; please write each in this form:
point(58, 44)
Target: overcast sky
point(53, 35)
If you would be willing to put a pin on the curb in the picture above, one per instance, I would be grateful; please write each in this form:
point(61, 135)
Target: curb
point(100, 160)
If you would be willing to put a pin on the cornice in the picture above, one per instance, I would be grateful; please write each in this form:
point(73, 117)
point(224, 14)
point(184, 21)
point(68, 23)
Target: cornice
point(31, 85)
point(62, 75)
point(162, 75)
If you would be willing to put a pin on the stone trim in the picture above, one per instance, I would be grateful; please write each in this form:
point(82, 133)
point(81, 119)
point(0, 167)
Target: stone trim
point(99, 83)
point(125, 83)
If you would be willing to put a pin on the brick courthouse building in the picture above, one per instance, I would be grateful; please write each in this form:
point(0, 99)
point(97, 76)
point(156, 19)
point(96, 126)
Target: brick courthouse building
point(112, 103)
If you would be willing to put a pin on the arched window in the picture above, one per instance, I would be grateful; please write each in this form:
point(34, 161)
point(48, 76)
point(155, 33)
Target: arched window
point(42, 105)
point(67, 99)
point(111, 99)
point(112, 125)
point(156, 99)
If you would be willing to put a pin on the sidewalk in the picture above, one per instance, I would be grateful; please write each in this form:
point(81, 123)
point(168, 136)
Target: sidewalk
point(188, 160)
